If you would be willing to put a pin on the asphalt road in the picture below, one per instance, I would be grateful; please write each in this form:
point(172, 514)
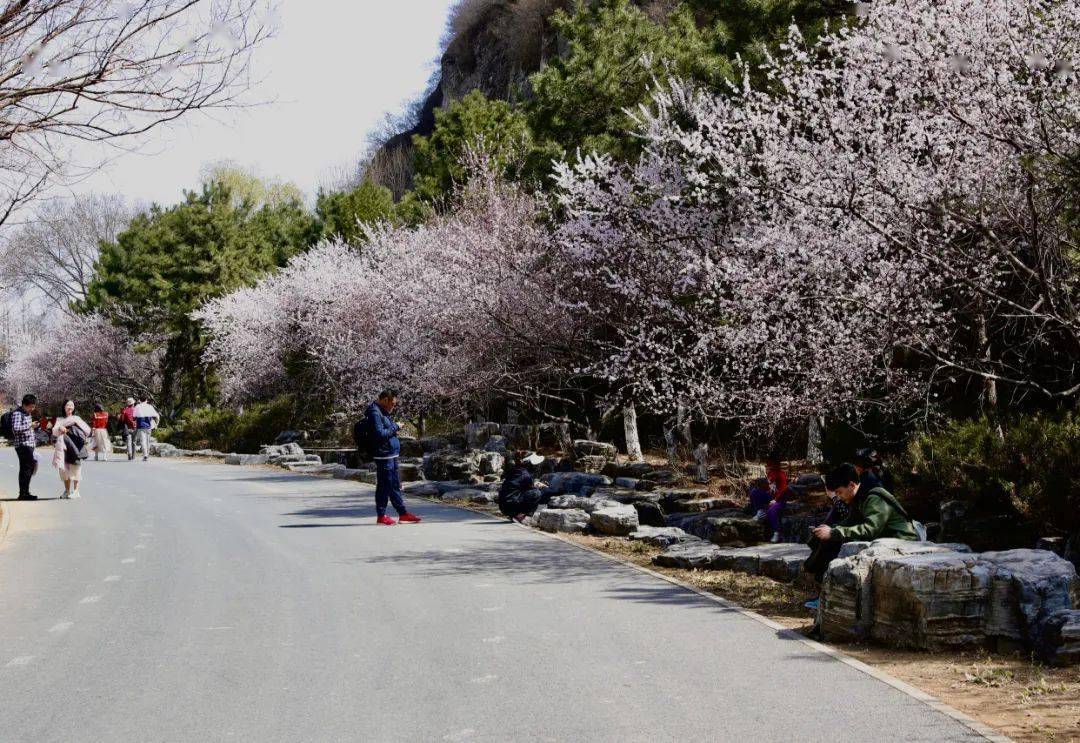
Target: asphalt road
point(181, 601)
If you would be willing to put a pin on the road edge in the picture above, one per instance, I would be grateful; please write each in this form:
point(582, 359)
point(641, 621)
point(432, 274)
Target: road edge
point(5, 522)
point(914, 692)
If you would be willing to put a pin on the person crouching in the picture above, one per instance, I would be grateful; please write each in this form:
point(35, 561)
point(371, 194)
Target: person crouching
point(520, 493)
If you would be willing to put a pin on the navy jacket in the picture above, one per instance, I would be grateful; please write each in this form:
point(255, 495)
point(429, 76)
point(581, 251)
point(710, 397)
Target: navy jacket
point(517, 480)
point(385, 432)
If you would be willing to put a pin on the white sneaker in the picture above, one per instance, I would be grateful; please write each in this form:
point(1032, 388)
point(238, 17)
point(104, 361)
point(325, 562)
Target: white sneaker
point(760, 515)
point(65, 495)
point(775, 537)
point(76, 494)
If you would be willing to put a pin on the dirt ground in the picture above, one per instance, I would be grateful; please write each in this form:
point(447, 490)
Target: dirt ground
point(1011, 693)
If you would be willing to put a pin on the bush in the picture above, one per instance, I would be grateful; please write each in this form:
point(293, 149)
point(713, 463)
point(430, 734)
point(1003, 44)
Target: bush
point(230, 431)
point(1033, 467)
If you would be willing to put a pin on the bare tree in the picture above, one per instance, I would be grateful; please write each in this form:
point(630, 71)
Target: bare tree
point(88, 71)
point(52, 257)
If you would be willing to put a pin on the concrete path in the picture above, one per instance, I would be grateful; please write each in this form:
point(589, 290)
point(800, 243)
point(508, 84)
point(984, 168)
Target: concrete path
point(181, 601)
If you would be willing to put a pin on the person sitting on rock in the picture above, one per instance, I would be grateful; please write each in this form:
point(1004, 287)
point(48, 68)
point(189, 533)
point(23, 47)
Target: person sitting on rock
point(520, 493)
point(874, 514)
point(760, 497)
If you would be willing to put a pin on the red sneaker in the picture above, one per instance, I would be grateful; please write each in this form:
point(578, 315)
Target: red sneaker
point(409, 518)
point(385, 521)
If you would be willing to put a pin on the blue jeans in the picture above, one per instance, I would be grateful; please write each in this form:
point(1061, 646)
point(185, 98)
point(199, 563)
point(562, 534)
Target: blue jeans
point(388, 486)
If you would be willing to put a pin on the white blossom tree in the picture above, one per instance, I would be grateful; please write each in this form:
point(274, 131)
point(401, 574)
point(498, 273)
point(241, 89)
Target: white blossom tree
point(892, 193)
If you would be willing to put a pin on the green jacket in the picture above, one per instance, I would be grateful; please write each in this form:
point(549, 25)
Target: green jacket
point(875, 515)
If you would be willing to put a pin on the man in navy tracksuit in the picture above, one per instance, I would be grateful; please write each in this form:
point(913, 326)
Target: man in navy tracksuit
point(387, 449)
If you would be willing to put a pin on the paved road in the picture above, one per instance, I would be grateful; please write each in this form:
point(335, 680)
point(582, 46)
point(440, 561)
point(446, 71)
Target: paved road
point(180, 601)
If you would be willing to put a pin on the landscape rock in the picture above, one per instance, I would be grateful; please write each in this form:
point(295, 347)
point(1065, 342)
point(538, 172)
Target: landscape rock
point(288, 437)
point(423, 489)
point(616, 520)
point(930, 596)
point(661, 536)
point(781, 562)
point(585, 448)
point(728, 528)
point(497, 443)
point(1058, 641)
point(571, 521)
point(419, 447)
point(477, 434)
point(847, 598)
point(928, 601)
point(688, 555)
point(650, 514)
point(491, 463)
point(314, 468)
point(246, 459)
point(1027, 585)
point(410, 471)
point(451, 465)
point(627, 470)
point(581, 483)
point(580, 502)
point(593, 465)
point(630, 483)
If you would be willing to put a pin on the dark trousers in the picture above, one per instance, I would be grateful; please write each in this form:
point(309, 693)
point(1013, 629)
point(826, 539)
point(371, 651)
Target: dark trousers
point(520, 502)
point(27, 464)
point(823, 553)
point(388, 486)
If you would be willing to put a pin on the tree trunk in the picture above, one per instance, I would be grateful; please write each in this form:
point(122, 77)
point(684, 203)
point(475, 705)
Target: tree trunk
point(633, 441)
point(701, 458)
point(421, 425)
point(814, 454)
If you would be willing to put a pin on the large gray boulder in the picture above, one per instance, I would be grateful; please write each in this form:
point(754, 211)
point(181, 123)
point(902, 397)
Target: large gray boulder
point(468, 495)
point(246, 459)
point(448, 464)
point(584, 448)
point(928, 596)
point(727, 528)
point(568, 521)
point(1026, 587)
point(615, 520)
point(847, 597)
point(491, 463)
point(782, 562)
point(661, 536)
point(688, 555)
point(928, 601)
point(477, 434)
point(580, 483)
point(584, 503)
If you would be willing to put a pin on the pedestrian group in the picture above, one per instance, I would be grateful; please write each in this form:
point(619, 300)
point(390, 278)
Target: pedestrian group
point(73, 439)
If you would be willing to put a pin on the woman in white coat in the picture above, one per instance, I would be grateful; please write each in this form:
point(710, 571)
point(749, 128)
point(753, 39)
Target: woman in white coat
point(66, 456)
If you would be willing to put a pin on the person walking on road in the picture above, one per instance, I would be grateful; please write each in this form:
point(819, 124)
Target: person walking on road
point(100, 424)
point(71, 433)
point(128, 426)
point(382, 434)
point(146, 420)
point(24, 440)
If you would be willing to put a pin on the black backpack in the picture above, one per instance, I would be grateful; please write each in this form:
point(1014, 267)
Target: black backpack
point(78, 438)
point(364, 438)
point(7, 425)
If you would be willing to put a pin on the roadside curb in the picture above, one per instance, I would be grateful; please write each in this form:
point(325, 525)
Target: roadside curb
point(5, 522)
point(915, 693)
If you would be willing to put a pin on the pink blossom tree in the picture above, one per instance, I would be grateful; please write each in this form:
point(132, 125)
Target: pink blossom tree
point(98, 362)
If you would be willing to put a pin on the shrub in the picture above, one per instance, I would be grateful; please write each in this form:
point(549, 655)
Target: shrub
point(228, 430)
point(1033, 466)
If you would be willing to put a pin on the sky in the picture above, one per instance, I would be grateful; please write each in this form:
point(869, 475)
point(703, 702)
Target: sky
point(332, 71)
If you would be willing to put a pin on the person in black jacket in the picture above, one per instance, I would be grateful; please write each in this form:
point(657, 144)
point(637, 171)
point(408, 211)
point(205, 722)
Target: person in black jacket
point(520, 492)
